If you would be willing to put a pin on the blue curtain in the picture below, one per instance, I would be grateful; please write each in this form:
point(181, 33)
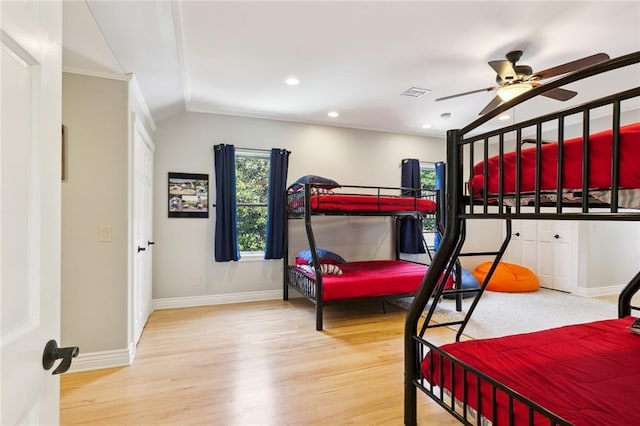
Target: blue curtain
point(226, 240)
point(411, 240)
point(279, 163)
point(441, 175)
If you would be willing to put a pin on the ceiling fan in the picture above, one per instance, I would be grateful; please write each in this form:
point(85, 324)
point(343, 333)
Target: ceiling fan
point(514, 80)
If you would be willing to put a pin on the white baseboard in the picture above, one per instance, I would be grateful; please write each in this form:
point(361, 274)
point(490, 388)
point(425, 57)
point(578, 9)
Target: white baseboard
point(100, 360)
point(216, 299)
point(599, 291)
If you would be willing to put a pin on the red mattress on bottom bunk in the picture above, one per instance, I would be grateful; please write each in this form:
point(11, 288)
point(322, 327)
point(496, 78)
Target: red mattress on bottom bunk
point(588, 374)
point(372, 278)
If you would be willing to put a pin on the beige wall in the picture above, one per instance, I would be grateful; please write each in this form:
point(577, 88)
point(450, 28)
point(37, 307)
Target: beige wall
point(184, 247)
point(95, 274)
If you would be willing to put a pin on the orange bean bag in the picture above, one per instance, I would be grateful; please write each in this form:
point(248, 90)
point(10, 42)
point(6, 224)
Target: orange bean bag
point(508, 278)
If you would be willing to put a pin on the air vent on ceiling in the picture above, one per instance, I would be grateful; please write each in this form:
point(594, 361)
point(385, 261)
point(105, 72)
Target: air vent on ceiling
point(415, 92)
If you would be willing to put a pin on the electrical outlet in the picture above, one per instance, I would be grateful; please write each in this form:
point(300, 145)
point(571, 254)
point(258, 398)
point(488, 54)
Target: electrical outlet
point(196, 280)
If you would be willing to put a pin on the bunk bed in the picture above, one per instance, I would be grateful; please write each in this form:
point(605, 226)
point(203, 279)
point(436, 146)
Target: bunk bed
point(583, 374)
point(357, 279)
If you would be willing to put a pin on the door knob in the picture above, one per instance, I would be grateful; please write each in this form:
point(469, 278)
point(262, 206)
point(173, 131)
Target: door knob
point(150, 243)
point(141, 249)
point(517, 234)
point(556, 236)
point(52, 353)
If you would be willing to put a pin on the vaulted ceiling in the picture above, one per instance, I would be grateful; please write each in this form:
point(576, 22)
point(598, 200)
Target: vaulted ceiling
point(355, 58)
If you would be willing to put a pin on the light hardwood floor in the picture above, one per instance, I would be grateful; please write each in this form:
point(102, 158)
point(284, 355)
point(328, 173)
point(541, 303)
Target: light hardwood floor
point(256, 364)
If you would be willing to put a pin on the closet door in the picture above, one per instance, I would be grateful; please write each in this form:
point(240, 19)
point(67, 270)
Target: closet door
point(141, 294)
point(514, 251)
point(557, 255)
point(529, 237)
point(522, 247)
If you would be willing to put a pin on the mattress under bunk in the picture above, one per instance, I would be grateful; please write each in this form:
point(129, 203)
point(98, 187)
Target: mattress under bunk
point(586, 374)
point(372, 278)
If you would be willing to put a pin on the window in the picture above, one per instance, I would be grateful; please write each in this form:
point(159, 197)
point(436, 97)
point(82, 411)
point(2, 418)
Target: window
point(428, 182)
point(252, 183)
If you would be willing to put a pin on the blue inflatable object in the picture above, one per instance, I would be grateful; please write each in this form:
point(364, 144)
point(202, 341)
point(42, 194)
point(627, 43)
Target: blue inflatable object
point(468, 282)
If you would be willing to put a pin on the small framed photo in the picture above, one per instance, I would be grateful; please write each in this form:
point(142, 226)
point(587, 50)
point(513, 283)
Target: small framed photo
point(188, 195)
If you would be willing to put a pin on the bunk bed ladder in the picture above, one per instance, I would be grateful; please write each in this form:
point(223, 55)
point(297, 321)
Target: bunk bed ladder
point(452, 263)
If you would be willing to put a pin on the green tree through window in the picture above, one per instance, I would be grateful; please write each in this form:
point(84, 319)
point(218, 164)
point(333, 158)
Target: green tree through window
point(428, 182)
point(252, 182)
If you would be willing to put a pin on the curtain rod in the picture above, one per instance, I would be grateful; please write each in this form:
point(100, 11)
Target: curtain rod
point(255, 149)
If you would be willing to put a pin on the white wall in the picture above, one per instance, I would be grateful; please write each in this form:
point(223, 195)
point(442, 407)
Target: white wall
point(613, 253)
point(184, 247)
point(94, 274)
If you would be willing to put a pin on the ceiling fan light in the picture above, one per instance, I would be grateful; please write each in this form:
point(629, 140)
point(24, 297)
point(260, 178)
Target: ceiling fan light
point(511, 91)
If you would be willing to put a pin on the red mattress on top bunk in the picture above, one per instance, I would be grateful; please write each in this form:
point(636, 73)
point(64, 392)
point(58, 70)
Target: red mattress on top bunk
point(371, 278)
point(587, 374)
point(370, 203)
point(599, 165)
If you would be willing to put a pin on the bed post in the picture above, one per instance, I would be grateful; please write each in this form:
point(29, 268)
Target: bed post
point(314, 255)
point(624, 300)
point(454, 201)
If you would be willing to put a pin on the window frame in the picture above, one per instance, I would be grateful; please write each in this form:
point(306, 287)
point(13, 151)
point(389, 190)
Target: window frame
point(254, 255)
point(428, 233)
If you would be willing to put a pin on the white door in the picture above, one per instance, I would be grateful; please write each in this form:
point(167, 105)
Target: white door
point(514, 250)
point(30, 167)
point(546, 231)
point(523, 245)
point(557, 255)
point(529, 243)
point(565, 265)
point(142, 227)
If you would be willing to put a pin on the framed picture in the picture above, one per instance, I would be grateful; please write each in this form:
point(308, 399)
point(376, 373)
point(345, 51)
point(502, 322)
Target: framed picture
point(188, 195)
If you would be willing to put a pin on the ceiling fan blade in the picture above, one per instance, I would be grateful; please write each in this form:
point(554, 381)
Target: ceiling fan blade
point(560, 94)
point(504, 69)
point(572, 66)
point(495, 102)
point(488, 89)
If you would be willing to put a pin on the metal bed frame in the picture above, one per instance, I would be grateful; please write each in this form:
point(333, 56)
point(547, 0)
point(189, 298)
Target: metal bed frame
point(312, 288)
point(461, 207)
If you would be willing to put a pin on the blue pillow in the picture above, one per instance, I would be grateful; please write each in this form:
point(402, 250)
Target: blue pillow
point(324, 256)
point(315, 180)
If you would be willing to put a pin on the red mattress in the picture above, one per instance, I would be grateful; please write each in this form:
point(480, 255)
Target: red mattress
point(587, 374)
point(370, 203)
point(372, 278)
point(599, 165)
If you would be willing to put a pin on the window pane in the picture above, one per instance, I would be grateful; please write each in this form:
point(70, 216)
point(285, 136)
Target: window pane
point(252, 228)
point(428, 182)
point(428, 178)
point(252, 179)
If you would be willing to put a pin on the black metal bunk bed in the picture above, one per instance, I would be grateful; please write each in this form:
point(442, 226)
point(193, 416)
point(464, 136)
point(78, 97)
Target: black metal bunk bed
point(311, 200)
point(468, 392)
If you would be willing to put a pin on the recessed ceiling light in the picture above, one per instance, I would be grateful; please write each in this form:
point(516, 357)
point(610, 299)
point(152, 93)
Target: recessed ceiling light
point(333, 114)
point(426, 126)
point(292, 81)
point(504, 117)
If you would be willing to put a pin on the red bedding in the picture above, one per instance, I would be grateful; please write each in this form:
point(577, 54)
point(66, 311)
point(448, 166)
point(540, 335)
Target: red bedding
point(587, 374)
point(370, 203)
point(372, 278)
point(600, 165)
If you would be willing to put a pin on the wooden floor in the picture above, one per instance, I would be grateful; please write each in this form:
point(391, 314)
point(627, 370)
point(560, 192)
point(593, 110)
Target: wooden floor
point(256, 364)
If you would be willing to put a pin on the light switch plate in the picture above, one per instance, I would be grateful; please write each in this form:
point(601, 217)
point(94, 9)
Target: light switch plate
point(104, 234)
